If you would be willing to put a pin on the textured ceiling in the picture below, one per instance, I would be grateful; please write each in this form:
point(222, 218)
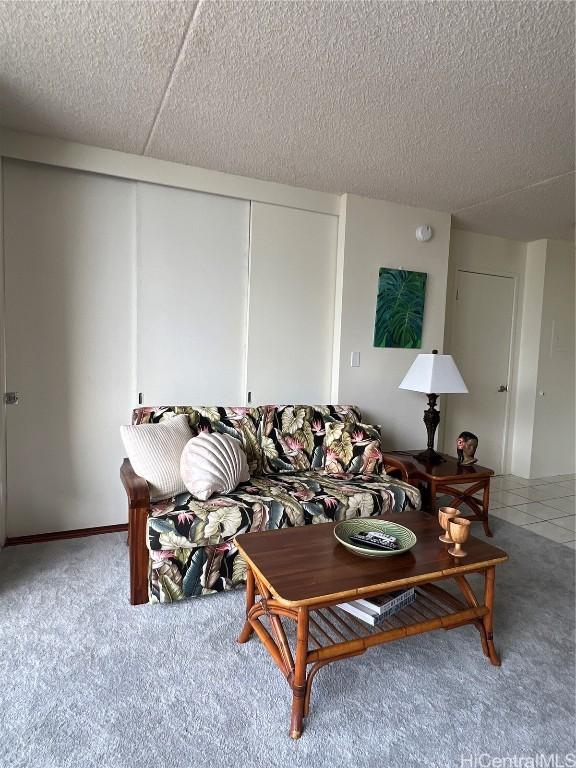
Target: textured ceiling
point(465, 107)
point(544, 210)
point(89, 72)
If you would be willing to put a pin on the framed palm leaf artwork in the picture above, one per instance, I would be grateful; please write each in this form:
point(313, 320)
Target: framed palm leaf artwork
point(400, 308)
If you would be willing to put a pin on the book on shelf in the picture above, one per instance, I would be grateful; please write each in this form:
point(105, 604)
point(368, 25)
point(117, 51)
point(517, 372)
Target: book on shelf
point(375, 613)
point(379, 604)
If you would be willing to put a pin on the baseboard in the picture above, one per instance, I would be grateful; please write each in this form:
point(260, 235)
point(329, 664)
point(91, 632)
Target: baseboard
point(77, 533)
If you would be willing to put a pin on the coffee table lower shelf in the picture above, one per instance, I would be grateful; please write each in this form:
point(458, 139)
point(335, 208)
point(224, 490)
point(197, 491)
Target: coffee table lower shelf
point(333, 630)
point(317, 635)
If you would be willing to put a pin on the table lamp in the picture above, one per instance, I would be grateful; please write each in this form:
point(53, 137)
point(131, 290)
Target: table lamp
point(435, 375)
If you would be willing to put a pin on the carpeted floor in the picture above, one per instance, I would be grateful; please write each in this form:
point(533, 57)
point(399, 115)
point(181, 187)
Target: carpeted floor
point(88, 680)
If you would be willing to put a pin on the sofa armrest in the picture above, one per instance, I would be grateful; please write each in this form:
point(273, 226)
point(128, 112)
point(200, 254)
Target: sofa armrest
point(136, 487)
point(393, 464)
point(138, 494)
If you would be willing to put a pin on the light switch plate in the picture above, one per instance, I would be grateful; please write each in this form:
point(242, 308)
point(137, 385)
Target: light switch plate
point(355, 360)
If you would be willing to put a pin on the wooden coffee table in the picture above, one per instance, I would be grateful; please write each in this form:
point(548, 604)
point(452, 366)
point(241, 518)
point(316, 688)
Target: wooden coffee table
point(300, 575)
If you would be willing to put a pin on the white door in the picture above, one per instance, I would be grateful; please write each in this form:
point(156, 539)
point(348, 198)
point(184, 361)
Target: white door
point(291, 314)
point(192, 297)
point(481, 335)
point(69, 259)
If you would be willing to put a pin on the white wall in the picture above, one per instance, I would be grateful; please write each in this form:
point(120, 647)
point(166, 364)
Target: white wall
point(544, 424)
point(2, 372)
point(192, 278)
point(529, 346)
point(109, 162)
point(76, 336)
point(373, 234)
point(291, 305)
point(69, 253)
point(379, 234)
point(554, 415)
point(540, 427)
point(496, 256)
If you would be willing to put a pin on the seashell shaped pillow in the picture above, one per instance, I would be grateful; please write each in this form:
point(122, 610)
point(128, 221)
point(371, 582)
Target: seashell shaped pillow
point(213, 463)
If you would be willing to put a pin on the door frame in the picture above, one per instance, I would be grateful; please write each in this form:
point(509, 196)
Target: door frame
point(3, 451)
point(512, 360)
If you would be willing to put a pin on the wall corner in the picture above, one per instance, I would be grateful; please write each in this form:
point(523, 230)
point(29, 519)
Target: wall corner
point(338, 299)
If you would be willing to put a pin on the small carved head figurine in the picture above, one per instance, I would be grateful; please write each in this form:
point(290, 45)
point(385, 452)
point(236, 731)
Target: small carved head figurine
point(466, 446)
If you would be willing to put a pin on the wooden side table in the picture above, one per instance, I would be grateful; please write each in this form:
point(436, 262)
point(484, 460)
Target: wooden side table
point(449, 478)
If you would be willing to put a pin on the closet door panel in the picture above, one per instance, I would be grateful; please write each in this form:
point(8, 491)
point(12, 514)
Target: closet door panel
point(69, 259)
point(192, 295)
point(291, 314)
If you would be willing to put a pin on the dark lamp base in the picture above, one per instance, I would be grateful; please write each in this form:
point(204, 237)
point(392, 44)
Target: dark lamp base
point(429, 456)
point(431, 420)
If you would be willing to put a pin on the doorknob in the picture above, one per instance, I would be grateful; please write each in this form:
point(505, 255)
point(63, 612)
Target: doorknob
point(503, 388)
point(11, 398)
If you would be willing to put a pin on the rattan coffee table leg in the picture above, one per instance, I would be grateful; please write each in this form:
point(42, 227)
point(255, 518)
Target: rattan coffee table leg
point(247, 629)
point(299, 679)
point(488, 620)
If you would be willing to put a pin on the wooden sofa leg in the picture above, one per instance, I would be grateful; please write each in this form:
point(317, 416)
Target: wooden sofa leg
point(138, 494)
point(139, 555)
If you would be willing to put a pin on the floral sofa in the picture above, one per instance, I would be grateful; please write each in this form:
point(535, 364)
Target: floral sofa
point(308, 465)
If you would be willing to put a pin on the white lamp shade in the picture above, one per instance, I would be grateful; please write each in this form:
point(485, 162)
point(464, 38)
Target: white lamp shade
point(434, 374)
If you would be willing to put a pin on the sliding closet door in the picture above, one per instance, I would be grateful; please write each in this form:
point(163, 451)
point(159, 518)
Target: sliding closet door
point(292, 288)
point(192, 295)
point(69, 251)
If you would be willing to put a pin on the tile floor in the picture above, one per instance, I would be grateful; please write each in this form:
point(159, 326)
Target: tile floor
point(544, 505)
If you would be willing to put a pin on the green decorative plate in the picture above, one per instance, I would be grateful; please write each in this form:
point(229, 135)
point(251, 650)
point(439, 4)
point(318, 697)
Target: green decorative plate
point(347, 528)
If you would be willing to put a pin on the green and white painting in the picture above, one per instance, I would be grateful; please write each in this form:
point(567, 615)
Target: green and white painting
point(400, 308)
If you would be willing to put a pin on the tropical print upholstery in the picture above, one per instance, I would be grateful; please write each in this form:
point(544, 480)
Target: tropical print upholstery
point(241, 423)
point(191, 542)
point(292, 436)
point(296, 454)
point(352, 447)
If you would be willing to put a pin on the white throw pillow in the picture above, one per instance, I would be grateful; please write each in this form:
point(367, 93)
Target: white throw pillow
point(213, 463)
point(154, 451)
